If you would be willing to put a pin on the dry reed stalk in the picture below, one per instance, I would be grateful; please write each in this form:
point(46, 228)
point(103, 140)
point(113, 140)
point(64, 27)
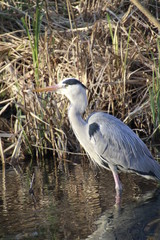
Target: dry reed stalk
point(16, 151)
point(2, 152)
point(114, 58)
point(151, 18)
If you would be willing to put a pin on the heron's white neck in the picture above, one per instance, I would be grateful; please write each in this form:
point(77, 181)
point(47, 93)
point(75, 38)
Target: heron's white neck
point(78, 124)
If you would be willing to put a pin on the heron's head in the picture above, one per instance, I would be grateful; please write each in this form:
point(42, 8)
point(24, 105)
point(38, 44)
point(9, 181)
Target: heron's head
point(72, 88)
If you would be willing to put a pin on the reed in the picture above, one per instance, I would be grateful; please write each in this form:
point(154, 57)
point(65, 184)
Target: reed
point(34, 37)
point(154, 91)
point(114, 36)
point(114, 52)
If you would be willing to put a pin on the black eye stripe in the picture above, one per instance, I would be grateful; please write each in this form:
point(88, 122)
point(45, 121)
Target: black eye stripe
point(73, 81)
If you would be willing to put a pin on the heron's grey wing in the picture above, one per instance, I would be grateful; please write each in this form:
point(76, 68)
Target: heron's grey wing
point(109, 143)
point(117, 144)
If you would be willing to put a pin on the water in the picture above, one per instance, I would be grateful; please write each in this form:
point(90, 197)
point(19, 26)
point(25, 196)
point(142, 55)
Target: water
point(75, 202)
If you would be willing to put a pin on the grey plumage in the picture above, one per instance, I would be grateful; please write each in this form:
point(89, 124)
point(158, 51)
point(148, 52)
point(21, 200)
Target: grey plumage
point(115, 143)
point(107, 140)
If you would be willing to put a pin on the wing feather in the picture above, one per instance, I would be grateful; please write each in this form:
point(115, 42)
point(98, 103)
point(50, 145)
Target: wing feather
point(118, 145)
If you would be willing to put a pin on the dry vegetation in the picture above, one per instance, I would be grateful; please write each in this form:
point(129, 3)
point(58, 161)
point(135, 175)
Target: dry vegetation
point(111, 48)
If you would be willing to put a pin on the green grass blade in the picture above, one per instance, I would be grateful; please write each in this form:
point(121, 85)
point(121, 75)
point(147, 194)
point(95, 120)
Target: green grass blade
point(110, 27)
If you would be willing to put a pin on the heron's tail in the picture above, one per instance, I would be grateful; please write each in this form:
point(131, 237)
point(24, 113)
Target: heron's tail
point(150, 171)
point(153, 170)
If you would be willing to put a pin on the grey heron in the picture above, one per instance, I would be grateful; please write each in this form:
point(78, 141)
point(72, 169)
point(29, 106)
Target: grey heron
point(107, 140)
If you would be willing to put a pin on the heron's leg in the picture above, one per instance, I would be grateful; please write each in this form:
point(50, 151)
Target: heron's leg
point(118, 187)
point(118, 184)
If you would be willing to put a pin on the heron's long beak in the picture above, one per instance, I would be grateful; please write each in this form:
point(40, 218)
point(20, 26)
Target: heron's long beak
point(47, 89)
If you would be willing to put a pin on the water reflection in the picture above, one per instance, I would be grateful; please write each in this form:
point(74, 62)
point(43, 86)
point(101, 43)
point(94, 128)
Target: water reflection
point(67, 202)
point(139, 220)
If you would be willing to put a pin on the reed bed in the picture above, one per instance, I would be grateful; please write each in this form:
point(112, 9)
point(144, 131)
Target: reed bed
point(112, 48)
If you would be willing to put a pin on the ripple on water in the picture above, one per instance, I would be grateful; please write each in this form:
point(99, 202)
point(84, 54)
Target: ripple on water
point(73, 203)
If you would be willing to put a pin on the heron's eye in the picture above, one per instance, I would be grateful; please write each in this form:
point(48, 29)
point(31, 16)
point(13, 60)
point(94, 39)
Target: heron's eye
point(66, 85)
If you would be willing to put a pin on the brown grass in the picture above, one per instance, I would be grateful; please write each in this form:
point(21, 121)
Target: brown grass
point(76, 40)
